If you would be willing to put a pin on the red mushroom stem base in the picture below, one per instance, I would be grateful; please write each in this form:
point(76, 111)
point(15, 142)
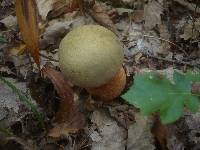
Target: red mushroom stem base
point(112, 89)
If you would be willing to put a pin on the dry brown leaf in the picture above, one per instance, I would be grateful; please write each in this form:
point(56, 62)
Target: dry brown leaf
point(64, 6)
point(64, 129)
point(99, 14)
point(17, 50)
point(44, 7)
point(138, 16)
point(26, 12)
point(69, 119)
point(164, 34)
point(109, 135)
point(160, 132)
point(139, 134)
point(191, 30)
point(152, 12)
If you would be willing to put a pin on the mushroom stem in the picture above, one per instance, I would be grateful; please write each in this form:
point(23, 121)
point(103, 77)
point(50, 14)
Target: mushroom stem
point(112, 88)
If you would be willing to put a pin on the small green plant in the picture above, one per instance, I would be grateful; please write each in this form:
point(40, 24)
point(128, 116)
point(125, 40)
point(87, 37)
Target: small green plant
point(2, 39)
point(6, 132)
point(154, 92)
point(25, 99)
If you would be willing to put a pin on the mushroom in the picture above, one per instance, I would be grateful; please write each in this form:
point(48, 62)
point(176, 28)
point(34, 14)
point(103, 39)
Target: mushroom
point(91, 57)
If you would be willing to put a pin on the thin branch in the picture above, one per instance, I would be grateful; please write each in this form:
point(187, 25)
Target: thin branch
point(52, 59)
point(175, 61)
point(157, 38)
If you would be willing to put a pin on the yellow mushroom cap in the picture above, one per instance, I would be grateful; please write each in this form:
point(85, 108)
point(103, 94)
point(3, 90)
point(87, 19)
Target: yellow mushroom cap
point(90, 55)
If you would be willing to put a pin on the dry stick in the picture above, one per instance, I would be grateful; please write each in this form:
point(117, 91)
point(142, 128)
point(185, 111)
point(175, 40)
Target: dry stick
point(175, 61)
point(157, 38)
point(98, 20)
point(190, 6)
point(52, 59)
point(84, 141)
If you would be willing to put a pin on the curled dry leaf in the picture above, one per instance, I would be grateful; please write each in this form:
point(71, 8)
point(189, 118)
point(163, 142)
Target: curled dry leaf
point(26, 12)
point(98, 13)
point(160, 131)
point(43, 11)
point(19, 49)
point(68, 118)
point(152, 12)
point(64, 6)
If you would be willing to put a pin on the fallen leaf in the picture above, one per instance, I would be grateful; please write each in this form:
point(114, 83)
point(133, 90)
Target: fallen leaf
point(173, 143)
point(68, 118)
point(160, 131)
point(19, 143)
point(192, 125)
point(49, 57)
point(139, 134)
point(109, 135)
point(124, 11)
point(188, 32)
point(9, 22)
point(138, 16)
point(54, 32)
point(19, 49)
point(43, 11)
point(152, 12)
point(27, 16)
point(191, 30)
point(98, 13)
point(64, 6)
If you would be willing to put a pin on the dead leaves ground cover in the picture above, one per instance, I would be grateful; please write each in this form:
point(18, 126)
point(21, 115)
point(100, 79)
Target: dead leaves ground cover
point(156, 35)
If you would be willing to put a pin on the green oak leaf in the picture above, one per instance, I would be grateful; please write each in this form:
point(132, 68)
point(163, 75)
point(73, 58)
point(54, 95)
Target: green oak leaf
point(153, 92)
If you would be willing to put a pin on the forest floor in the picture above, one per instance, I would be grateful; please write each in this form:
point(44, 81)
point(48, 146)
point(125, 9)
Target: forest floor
point(156, 35)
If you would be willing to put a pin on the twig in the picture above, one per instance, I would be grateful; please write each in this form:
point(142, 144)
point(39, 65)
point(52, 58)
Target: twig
point(149, 36)
point(161, 39)
point(190, 6)
point(175, 61)
point(52, 59)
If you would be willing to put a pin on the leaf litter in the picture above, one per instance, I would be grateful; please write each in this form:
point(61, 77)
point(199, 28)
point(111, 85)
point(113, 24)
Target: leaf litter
point(68, 118)
point(153, 37)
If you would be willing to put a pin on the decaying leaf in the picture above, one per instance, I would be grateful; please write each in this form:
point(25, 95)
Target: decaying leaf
point(152, 12)
point(139, 134)
point(110, 136)
point(191, 30)
point(99, 14)
point(19, 49)
point(68, 118)
point(138, 16)
point(26, 12)
point(43, 11)
point(160, 131)
point(9, 22)
point(64, 6)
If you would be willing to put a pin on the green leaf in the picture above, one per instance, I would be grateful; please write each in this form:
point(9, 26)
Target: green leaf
point(193, 76)
point(153, 92)
point(173, 111)
point(2, 39)
point(193, 104)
